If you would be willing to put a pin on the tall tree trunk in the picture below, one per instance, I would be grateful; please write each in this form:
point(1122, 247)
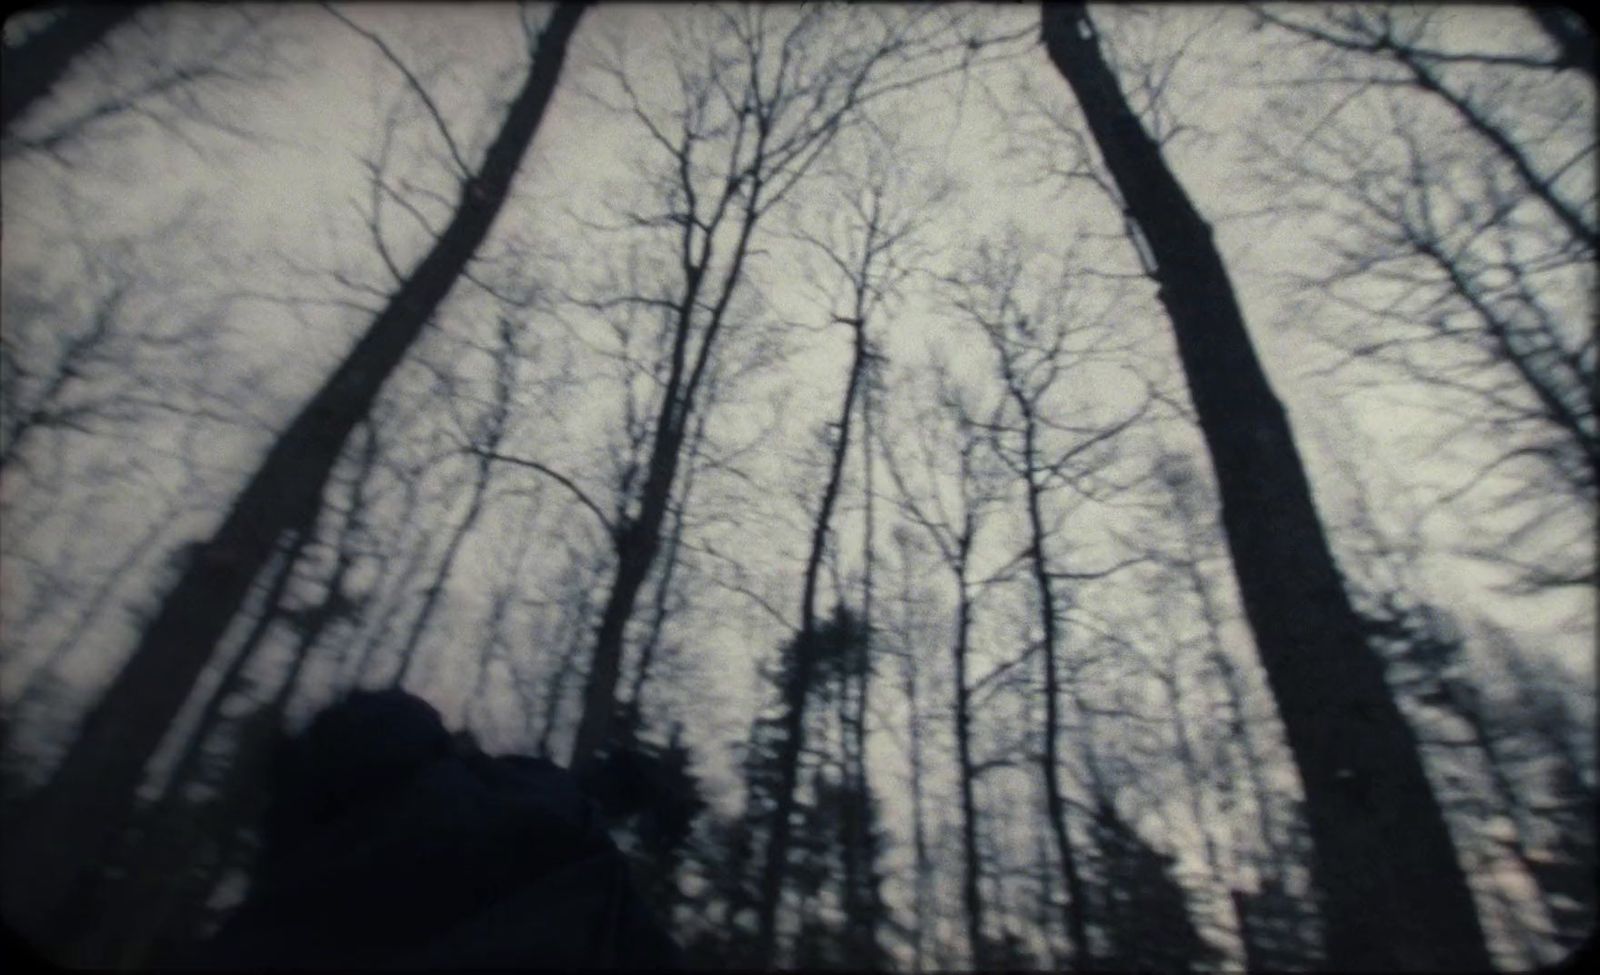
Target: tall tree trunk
point(1075, 910)
point(866, 911)
point(637, 544)
point(189, 844)
point(64, 831)
point(849, 861)
point(971, 868)
point(633, 710)
point(160, 855)
point(98, 602)
point(637, 540)
point(32, 67)
point(208, 834)
point(579, 603)
point(1233, 686)
point(1240, 736)
point(1463, 700)
point(1394, 893)
point(776, 859)
point(1193, 776)
point(919, 834)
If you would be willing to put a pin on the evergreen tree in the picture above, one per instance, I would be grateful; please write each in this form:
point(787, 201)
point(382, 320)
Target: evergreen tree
point(839, 912)
point(1141, 910)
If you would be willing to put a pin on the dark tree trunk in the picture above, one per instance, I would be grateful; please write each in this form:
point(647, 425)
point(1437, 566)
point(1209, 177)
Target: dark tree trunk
point(971, 868)
point(1075, 910)
point(1565, 27)
point(1233, 687)
point(168, 835)
point(186, 846)
point(919, 835)
point(637, 543)
point(98, 603)
point(637, 540)
point(633, 711)
point(580, 602)
point(64, 831)
point(32, 67)
point(1394, 894)
point(798, 687)
point(866, 906)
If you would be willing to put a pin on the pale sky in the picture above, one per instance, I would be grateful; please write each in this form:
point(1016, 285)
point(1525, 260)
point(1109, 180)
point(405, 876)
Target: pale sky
point(275, 214)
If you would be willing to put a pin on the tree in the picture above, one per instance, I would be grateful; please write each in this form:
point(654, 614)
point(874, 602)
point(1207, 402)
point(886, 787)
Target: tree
point(1461, 226)
point(907, 629)
point(866, 257)
point(170, 68)
point(65, 828)
point(953, 532)
point(35, 63)
point(1142, 911)
point(1036, 346)
point(486, 441)
point(1509, 784)
point(99, 340)
point(1387, 905)
point(765, 110)
point(822, 797)
point(185, 840)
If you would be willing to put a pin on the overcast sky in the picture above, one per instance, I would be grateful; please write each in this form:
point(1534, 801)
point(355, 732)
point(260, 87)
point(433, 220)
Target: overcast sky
point(272, 214)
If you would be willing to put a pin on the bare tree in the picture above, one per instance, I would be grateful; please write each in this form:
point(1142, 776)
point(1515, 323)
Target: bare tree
point(750, 126)
point(953, 529)
point(216, 787)
point(1358, 759)
point(486, 441)
point(1462, 226)
point(867, 259)
point(176, 68)
point(907, 632)
point(1482, 742)
point(1041, 346)
point(65, 827)
point(85, 357)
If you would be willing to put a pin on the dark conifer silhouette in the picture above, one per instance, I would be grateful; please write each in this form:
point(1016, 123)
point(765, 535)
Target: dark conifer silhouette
point(1142, 911)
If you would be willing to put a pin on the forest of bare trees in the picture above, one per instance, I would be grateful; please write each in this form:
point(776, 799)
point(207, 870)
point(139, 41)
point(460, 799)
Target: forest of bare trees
point(1073, 488)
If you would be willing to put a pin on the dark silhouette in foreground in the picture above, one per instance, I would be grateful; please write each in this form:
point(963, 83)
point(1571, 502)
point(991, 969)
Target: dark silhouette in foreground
point(391, 843)
point(55, 843)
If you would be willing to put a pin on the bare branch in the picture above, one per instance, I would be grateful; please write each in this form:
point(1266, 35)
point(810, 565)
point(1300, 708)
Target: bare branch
point(556, 476)
point(462, 169)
